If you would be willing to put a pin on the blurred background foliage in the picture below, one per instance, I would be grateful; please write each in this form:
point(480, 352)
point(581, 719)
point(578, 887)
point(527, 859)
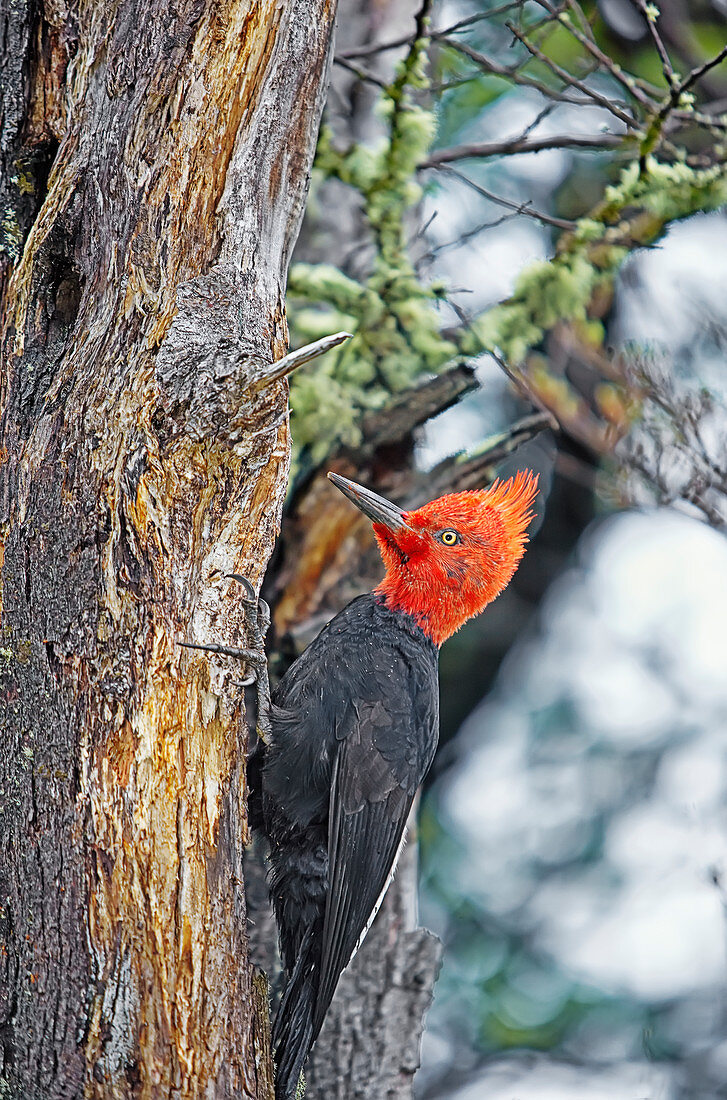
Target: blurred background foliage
point(535, 188)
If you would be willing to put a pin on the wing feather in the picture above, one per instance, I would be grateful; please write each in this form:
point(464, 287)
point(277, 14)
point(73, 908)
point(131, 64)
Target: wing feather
point(364, 840)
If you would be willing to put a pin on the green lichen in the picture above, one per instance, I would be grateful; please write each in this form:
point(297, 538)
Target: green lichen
point(11, 238)
point(23, 179)
point(545, 293)
point(634, 212)
point(669, 191)
point(392, 313)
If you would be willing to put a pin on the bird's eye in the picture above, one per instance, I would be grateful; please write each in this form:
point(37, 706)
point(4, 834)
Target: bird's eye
point(449, 537)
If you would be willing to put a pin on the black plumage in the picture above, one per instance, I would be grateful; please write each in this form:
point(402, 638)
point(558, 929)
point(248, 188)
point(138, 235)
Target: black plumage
point(354, 730)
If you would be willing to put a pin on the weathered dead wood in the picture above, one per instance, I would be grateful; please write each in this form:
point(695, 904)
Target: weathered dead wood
point(140, 465)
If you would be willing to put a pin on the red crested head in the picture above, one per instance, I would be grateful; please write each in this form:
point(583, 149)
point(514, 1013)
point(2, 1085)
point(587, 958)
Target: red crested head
point(450, 558)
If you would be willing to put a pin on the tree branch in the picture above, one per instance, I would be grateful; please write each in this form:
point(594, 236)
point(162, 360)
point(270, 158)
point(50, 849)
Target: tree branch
point(519, 208)
point(515, 146)
point(362, 74)
point(571, 81)
point(605, 62)
point(294, 359)
point(650, 17)
point(406, 40)
point(510, 72)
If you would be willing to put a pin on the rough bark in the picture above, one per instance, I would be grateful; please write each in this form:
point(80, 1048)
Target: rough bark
point(143, 458)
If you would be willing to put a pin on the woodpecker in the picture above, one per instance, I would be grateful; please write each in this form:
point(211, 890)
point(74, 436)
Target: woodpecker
point(353, 728)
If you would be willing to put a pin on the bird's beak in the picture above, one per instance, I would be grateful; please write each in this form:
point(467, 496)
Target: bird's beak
point(378, 509)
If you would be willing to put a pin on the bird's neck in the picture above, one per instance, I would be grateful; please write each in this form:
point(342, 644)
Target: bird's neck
point(436, 616)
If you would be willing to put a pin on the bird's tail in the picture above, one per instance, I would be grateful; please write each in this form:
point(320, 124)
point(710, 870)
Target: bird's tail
point(293, 1028)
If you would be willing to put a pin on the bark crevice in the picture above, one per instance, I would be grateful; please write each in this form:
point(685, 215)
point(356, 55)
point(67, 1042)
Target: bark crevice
point(122, 815)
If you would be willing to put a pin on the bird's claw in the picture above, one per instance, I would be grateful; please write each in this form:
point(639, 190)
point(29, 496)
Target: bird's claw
point(257, 621)
point(257, 616)
point(258, 628)
point(249, 590)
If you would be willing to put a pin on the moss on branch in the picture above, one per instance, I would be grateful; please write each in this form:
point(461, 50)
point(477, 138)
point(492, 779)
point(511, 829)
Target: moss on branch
point(393, 314)
point(634, 213)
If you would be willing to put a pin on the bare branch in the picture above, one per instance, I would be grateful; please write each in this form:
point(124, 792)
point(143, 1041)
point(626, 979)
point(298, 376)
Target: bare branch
point(668, 68)
point(362, 74)
point(372, 49)
point(515, 146)
point(519, 208)
point(669, 108)
point(472, 19)
point(698, 73)
point(571, 81)
point(297, 358)
point(589, 44)
point(666, 447)
point(580, 15)
point(520, 383)
point(511, 73)
point(546, 111)
point(405, 40)
point(477, 229)
point(698, 118)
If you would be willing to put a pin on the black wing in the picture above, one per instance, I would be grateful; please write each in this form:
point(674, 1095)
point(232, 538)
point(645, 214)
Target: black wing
point(385, 751)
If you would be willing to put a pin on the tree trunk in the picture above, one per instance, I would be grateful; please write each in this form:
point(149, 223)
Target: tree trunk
point(143, 459)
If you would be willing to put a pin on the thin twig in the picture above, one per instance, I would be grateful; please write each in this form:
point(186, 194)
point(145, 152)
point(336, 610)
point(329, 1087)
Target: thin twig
point(449, 85)
point(362, 74)
point(546, 111)
point(511, 73)
point(372, 48)
point(519, 208)
point(576, 8)
point(698, 73)
point(521, 385)
point(571, 81)
point(669, 108)
point(519, 145)
point(603, 59)
point(667, 67)
point(421, 231)
point(434, 252)
point(295, 359)
point(405, 40)
point(710, 122)
point(547, 22)
point(471, 19)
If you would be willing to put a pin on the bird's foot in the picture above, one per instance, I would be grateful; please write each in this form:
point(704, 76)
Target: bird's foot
point(257, 613)
point(257, 621)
